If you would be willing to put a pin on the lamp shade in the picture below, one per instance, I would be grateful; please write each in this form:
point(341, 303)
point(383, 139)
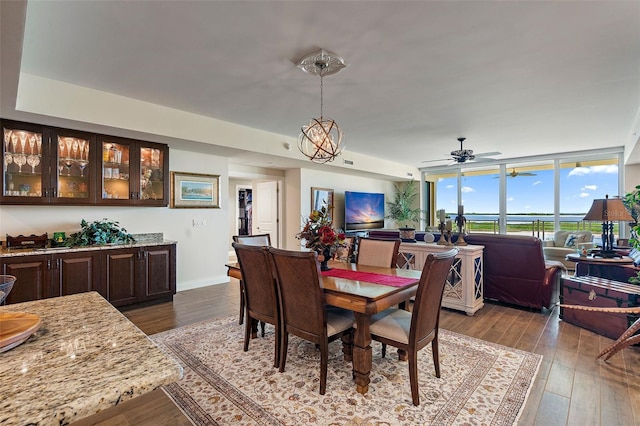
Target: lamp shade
point(608, 209)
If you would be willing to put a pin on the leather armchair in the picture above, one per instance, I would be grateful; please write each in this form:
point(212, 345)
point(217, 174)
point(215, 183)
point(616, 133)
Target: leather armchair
point(516, 272)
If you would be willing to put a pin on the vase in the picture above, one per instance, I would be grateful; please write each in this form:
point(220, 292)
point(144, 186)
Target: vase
point(326, 254)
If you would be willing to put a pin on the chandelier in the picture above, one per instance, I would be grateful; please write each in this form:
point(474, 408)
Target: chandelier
point(321, 140)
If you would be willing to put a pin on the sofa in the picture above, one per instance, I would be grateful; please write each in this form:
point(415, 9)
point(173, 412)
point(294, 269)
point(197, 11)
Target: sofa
point(516, 272)
point(564, 243)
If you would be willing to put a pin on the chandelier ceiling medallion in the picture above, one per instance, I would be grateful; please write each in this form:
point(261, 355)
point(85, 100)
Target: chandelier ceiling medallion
point(321, 140)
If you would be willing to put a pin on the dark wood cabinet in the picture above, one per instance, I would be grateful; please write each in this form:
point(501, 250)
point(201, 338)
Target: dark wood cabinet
point(123, 276)
point(133, 172)
point(51, 275)
point(50, 165)
point(78, 273)
point(32, 274)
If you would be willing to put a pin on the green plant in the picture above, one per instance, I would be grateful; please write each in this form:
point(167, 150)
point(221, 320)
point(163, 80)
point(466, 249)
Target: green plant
point(402, 209)
point(99, 232)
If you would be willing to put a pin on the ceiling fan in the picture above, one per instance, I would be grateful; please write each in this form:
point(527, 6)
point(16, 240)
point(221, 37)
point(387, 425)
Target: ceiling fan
point(513, 173)
point(464, 155)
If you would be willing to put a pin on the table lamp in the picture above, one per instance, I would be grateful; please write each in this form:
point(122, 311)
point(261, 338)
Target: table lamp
point(608, 211)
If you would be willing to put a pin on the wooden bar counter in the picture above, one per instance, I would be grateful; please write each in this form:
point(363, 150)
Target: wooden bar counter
point(86, 357)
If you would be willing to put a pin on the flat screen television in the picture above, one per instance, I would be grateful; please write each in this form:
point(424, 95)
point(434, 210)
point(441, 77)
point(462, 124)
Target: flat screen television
point(363, 210)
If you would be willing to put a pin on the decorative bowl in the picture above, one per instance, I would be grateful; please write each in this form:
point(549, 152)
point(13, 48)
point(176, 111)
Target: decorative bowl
point(6, 284)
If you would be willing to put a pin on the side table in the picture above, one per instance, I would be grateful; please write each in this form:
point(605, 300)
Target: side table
point(596, 265)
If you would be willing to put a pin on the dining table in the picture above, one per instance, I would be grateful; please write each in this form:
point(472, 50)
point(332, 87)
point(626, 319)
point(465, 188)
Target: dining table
point(364, 290)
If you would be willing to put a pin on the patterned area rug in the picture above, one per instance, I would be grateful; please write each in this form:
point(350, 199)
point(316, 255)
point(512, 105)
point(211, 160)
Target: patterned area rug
point(481, 383)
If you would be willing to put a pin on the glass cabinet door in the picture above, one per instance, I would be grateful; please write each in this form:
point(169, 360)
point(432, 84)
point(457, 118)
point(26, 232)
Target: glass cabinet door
point(73, 166)
point(115, 171)
point(23, 162)
point(151, 174)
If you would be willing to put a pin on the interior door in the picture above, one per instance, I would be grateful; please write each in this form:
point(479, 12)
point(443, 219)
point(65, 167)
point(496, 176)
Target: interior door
point(265, 210)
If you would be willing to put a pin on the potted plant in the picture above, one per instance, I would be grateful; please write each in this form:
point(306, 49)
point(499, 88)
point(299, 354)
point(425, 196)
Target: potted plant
point(99, 232)
point(403, 211)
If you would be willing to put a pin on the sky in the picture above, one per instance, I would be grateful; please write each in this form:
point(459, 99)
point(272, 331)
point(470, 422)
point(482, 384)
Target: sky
point(579, 186)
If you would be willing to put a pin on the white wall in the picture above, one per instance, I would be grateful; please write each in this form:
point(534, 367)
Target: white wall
point(201, 251)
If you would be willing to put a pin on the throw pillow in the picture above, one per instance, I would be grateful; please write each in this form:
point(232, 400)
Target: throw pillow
point(574, 239)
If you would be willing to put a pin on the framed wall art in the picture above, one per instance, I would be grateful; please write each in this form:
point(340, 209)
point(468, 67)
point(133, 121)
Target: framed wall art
point(322, 197)
point(195, 190)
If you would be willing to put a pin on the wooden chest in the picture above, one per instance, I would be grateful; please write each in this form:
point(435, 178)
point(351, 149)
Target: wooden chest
point(598, 292)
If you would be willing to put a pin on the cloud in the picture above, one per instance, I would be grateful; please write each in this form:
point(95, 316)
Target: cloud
point(538, 182)
point(527, 207)
point(589, 187)
point(450, 186)
point(583, 171)
point(583, 195)
point(510, 199)
point(468, 189)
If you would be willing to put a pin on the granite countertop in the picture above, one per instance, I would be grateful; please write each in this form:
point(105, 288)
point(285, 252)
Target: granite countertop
point(142, 240)
point(86, 357)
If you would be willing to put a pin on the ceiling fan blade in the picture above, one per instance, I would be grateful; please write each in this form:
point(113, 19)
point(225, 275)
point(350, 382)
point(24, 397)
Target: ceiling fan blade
point(526, 174)
point(481, 160)
point(440, 159)
point(487, 154)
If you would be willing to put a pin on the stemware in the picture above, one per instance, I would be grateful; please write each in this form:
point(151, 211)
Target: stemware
point(82, 145)
point(75, 148)
point(33, 161)
point(7, 139)
point(32, 143)
point(20, 160)
point(14, 142)
point(68, 163)
point(39, 143)
point(8, 159)
point(82, 164)
point(23, 141)
point(69, 142)
point(61, 147)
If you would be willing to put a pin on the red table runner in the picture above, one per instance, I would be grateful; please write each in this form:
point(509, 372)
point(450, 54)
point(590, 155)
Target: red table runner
point(369, 277)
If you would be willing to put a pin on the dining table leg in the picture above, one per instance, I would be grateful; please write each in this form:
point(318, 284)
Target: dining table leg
point(362, 359)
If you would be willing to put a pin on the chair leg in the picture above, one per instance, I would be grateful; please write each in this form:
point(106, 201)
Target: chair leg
point(262, 327)
point(413, 377)
point(284, 343)
point(384, 350)
point(276, 355)
point(436, 358)
point(247, 334)
point(347, 346)
point(324, 355)
point(241, 304)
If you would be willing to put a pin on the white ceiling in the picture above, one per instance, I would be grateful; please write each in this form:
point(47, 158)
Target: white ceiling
point(521, 77)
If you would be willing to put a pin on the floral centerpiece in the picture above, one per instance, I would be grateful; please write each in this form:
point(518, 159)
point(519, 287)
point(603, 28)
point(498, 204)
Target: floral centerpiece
point(319, 235)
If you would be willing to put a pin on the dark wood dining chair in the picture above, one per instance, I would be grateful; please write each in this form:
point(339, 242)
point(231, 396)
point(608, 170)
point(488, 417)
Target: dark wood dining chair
point(251, 240)
point(260, 292)
point(303, 310)
point(378, 252)
point(412, 331)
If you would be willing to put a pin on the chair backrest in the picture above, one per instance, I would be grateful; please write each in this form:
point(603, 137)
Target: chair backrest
point(253, 240)
point(378, 252)
point(426, 308)
point(300, 291)
point(258, 281)
point(343, 254)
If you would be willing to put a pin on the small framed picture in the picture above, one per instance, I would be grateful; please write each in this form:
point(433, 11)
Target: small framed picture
point(195, 190)
point(322, 197)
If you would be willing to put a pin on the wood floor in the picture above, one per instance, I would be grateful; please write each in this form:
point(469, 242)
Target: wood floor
point(571, 388)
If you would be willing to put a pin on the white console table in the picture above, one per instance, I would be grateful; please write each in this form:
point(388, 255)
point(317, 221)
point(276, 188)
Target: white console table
point(463, 290)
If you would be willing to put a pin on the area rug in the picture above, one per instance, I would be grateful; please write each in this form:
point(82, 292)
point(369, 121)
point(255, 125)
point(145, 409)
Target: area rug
point(481, 383)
